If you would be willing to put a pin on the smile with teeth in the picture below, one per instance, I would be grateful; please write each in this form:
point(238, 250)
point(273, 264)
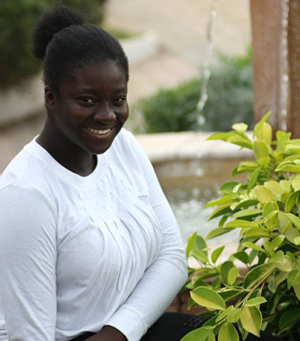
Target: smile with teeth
point(98, 131)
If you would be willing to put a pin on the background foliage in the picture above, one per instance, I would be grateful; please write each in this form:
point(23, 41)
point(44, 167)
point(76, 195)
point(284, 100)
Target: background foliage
point(230, 100)
point(16, 22)
point(265, 296)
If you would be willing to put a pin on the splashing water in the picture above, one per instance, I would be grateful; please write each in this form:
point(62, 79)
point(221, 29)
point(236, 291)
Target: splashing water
point(206, 68)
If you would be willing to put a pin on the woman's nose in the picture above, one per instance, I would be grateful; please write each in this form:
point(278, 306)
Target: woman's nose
point(104, 113)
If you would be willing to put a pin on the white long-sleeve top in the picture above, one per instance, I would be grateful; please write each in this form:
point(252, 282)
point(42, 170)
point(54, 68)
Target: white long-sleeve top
point(78, 253)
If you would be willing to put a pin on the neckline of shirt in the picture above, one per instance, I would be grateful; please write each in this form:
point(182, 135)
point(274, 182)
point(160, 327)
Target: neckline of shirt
point(65, 174)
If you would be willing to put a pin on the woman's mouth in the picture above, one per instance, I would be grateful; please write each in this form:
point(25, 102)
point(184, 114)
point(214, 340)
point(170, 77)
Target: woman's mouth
point(99, 131)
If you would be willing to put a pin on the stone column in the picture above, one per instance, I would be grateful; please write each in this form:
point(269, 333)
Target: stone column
point(293, 116)
point(266, 41)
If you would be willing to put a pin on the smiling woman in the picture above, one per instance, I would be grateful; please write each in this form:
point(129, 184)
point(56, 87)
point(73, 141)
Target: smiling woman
point(89, 247)
point(86, 115)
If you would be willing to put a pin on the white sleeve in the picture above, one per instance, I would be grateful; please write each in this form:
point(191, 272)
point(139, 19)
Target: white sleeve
point(165, 277)
point(27, 264)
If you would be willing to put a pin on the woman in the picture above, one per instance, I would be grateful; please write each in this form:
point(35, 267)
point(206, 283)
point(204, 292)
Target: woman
point(89, 247)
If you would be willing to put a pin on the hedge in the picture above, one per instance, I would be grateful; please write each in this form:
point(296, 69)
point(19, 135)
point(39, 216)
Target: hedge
point(16, 22)
point(230, 100)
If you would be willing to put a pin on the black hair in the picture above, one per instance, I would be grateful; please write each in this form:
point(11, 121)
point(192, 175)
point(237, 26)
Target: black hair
point(65, 42)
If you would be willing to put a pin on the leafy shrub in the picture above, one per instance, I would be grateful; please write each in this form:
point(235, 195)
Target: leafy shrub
point(266, 209)
point(16, 22)
point(230, 100)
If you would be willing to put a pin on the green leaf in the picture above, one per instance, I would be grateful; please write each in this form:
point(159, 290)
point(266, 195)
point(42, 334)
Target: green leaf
point(265, 133)
point(190, 243)
point(259, 125)
point(245, 204)
point(253, 246)
point(282, 262)
point(201, 256)
point(228, 187)
point(247, 213)
point(271, 219)
point(263, 194)
point(242, 141)
point(211, 337)
point(228, 333)
point(255, 301)
point(257, 274)
point(261, 152)
point(269, 208)
point(297, 240)
point(293, 278)
point(277, 241)
point(247, 166)
point(199, 334)
point(252, 255)
point(220, 210)
point(200, 243)
point(291, 201)
point(292, 158)
point(241, 223)
point(251, 320)
point(257, 233)
point(293, 258)
point(286, 228)
point(218, 231)
point(289, 319)
point(296, 183)
point(208, 298)
point(296, 288)
point(294, 219)
point(234, 315)
point(292, 146)
point(221, 136)
point(228, 294)
point(288, 167)
point(242, 256)
point(224, 313)
point(222, 221)
point(241, 128)
point(253, 179)
point(229, 272)
point(216, 253)
point(275, 187)
point(285, 184)
point(220, 201)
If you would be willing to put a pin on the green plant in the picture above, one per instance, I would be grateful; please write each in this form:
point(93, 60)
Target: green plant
point(265, 295)
point(230, 100)
point(16, 22)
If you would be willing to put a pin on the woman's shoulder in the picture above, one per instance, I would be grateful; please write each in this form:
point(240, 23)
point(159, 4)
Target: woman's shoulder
point(25, 171)
point(125, 141)
point(125, 136)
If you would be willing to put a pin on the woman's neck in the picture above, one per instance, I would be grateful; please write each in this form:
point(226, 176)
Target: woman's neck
point(65, 152)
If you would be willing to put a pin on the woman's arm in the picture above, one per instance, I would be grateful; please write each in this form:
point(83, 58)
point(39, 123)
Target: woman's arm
point(27, 263)
point(165, 277)
point(108, 333)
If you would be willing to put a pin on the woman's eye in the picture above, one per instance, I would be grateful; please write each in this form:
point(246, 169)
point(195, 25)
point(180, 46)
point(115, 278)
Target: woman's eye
point(87, 100)
point(120, 100)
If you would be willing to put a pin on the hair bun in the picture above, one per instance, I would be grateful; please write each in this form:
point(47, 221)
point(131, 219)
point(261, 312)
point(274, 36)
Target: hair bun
point(51, 23)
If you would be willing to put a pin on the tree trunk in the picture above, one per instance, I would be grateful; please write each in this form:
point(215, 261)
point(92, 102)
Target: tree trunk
point(293, 116)
point(266, 42)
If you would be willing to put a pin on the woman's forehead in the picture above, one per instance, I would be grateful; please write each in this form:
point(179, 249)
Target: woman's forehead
point(99, 74)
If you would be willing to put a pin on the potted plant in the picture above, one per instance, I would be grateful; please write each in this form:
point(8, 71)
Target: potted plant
point(264, 295)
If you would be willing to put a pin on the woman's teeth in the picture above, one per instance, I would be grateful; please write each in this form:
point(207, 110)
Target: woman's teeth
point(99, 132)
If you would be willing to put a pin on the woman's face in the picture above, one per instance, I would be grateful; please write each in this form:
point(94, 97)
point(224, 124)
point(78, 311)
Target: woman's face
point(91, 108)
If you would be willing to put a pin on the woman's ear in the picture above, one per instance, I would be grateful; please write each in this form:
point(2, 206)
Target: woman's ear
point(49, 99)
